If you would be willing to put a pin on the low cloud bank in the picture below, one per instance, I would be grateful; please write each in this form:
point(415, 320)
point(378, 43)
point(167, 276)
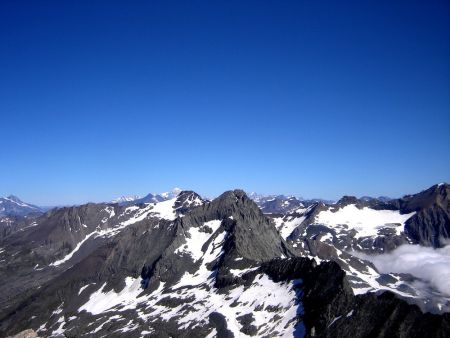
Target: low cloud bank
point(432, 265)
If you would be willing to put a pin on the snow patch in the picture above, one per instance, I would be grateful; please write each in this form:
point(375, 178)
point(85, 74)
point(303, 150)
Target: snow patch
point(100, 302)
point(83, 288)
point(197, 239)
point(366, 221)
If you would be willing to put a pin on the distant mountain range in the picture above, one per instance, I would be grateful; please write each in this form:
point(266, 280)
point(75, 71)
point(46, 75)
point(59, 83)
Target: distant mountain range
point(176, 264)
point(150, 198)
point(267, 203)
point(13, 206)
point(280, 204)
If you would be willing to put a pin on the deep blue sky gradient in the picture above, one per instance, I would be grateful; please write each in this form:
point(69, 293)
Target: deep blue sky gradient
point(315, 98)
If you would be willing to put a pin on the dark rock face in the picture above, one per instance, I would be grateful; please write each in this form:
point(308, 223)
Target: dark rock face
point(391, 318)
point(430, 225)
point(346, 200)
point(331, 310)
point(11, 224)
point(60, 230)
point(373, 203)
point(438, 194)
point(251, 235)
point(219, 322)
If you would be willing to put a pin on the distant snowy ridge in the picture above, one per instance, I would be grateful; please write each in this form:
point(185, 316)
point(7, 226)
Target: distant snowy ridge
point(125, 199)
point(13, 206)
point(149, 198)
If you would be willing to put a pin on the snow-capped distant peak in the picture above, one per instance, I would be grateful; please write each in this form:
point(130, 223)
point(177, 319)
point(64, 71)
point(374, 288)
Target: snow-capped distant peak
point(125, 199)
point(171, 194)
point(12, 205)
point(149, 198)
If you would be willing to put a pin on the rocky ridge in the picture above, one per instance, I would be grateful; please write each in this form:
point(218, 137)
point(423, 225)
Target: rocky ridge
point(187, 266)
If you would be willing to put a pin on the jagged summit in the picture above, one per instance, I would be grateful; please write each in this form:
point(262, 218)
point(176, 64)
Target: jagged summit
point(238, 233)
point(346, 200)
point(371, 202)
point(252, 235)
point(431, 223)
point(187, 200)
point(435, 195)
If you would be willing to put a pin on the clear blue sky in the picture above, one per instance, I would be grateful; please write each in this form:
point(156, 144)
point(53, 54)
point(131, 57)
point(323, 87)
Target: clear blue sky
point(315, 98)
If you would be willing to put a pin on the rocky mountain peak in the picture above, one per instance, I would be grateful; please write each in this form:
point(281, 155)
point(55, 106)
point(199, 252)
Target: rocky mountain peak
point(14, 198)
point(14, 206)
point(187, 200)
point(346, 200)
point(437, 194)
point(251, 235)
point(431, 223)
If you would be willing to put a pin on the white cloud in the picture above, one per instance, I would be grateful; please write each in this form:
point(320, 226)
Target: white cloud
point(428, 264)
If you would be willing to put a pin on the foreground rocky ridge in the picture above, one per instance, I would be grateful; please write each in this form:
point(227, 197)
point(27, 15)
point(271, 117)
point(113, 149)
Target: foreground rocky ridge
point(188, 267)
